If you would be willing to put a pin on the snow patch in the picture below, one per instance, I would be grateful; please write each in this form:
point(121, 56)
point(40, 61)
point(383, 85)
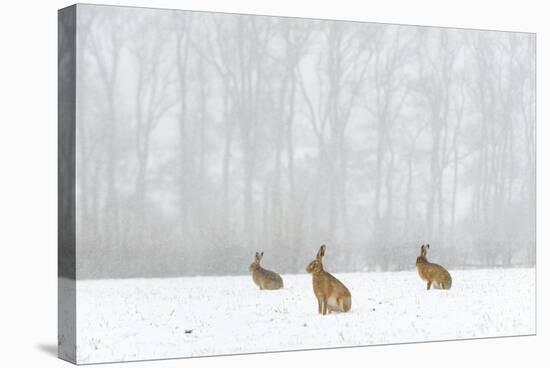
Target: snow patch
point(134, 319)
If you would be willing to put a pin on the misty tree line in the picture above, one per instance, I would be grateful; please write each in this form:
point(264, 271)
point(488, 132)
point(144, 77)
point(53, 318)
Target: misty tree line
point(205, 137)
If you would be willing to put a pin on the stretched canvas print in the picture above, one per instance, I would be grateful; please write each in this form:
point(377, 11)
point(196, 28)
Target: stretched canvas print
point(233, 183)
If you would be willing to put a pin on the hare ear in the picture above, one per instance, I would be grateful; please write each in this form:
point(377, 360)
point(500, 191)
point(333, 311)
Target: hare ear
point(261, 254)
point(321, 252)
point(428, 246)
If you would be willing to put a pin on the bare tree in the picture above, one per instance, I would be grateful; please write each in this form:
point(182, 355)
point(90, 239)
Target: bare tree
point(390, 92)
point(153, 99)
point(105, 45)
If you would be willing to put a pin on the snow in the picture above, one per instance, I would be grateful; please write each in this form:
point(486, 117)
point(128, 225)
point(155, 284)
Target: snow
point(136, 319)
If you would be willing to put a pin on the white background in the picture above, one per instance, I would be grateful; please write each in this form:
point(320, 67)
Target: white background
point(28, 181)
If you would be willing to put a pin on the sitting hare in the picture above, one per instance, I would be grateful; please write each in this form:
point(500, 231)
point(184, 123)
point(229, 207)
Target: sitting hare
point(331, 294)
point(432, 273)
point(265, 279)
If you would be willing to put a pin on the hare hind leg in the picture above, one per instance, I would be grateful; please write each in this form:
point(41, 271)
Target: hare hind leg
point(345, 304)
point(342, 304)
point(429, 285)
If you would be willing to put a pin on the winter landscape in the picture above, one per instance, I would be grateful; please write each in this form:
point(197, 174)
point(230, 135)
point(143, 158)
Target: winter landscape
point(202, 138)
point(136, 319)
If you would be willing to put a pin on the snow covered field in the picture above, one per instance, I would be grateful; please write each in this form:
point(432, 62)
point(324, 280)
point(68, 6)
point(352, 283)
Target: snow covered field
point(135, 319)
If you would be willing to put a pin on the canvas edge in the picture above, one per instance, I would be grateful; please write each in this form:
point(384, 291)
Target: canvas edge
point(66, 124)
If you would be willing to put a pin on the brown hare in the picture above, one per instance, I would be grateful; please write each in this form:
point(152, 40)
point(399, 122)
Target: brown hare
point(432, 273)
point(265, 279)
point(331, 294)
